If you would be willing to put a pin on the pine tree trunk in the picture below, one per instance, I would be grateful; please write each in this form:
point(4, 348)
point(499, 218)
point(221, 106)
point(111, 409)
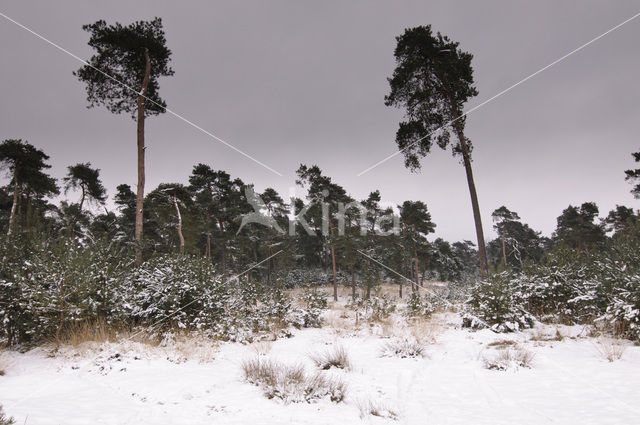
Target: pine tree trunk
point(353, 282)
point(141, 148)
point(223, 248)
point(175, 204)
point(207, 251)
point(504, 253)
point(482, 250)
point(82, 199)
point(333, 264)
point(415, 264)
point(14, 206)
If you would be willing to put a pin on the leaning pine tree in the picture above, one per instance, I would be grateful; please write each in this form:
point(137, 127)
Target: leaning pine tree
point(432, 81)
point(123, 76)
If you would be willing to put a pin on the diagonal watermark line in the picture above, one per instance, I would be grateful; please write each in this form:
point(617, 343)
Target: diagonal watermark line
point(491, 99)
point(41, 389)
point(175, 114)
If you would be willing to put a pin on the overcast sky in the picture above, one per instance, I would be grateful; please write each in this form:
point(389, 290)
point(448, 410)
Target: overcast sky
point(293, 82)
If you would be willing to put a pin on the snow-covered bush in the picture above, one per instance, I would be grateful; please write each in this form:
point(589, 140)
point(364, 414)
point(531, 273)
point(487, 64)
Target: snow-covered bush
point(305, 277)
point(309, 316)
point(422, 306)
point(176, 290)
point(375, 308)
point(60, 283)
point(496, 303)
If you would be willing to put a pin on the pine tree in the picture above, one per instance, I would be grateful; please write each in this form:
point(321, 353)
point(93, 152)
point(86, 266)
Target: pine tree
point(634, 176)
point(577, 227)
point(416, 224)
point(87, 179)
point(123, 76)
point(26, 164)
point(432, 81)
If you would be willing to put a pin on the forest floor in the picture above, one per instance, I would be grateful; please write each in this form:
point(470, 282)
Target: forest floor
point(549, 374)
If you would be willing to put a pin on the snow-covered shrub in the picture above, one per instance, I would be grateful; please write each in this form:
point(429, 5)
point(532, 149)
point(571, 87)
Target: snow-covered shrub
point(423, 306)
point(309, 316)
point(337, 357)
point(403, 348)
point(176, 290)
point(496, 303)
point(291, 383)
point(375, 308)
point(305, 277)
point(60, 283)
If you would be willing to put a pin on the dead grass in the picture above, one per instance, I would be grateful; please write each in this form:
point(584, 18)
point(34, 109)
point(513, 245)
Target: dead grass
point(6, 420)
point(187, 345)
point(501, 343)
point(79, 333)
point(425, 330)
point(611, 349)
point(291, 383)
point(376, 408)
point(541, 336)
point(262, 348)
point(403, 348)
point(336, 357)
point(340, 320)
point(509, 358)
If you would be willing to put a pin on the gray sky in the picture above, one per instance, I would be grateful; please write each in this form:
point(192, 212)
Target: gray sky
point(293, 82)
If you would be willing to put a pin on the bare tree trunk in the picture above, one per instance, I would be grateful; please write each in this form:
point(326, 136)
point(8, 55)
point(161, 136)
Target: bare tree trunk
point(504, 253)
point(175, 204)
point(353, 282)
point(14, 206)
point(82, 199)
point(333, 264)
point(482, 250)
point(400, 289)
point(207, 251)
point(415, 263)
point(141, 148)
point(223, 248)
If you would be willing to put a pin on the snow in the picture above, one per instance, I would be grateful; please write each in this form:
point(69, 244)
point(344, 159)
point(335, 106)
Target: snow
point(200, 382)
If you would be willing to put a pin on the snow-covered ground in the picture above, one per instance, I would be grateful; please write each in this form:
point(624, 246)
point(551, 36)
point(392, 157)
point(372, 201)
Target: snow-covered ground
point(570, 381)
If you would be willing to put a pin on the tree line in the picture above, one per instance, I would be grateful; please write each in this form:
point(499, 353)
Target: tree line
point(432, 82)
point(203, 215)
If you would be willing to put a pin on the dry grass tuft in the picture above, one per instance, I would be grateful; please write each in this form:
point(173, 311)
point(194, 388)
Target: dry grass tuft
point(340, 321)
point(501, 343)
point(79, 333)
point(336, 357)
point(6, 420)
point(403, 348)
point(424, 330)
point(291, 383)
point(542, 336)
point(611, 349)
point(376, 408)
point(511, 358)
point(262, 348)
